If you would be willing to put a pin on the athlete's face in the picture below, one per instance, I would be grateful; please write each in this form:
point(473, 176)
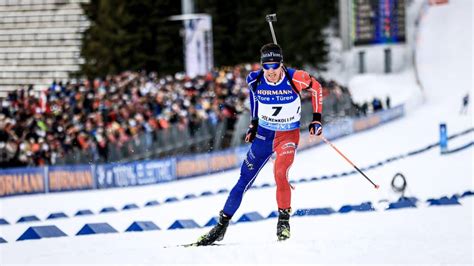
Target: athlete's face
point(272, 71)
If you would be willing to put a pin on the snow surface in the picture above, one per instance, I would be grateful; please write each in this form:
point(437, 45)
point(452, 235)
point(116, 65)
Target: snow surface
point(423, 235)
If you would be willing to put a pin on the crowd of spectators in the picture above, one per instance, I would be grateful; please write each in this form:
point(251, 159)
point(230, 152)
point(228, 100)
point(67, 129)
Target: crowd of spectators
point(338, 101)
point(37, 128)
point(374, 106)
point(40, 127)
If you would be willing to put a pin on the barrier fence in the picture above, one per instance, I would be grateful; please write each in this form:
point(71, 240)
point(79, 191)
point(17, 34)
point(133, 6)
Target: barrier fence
point(21, 181)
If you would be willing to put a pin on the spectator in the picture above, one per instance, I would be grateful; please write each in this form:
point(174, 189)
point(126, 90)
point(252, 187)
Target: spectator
point(376, 104)
point(365, 108)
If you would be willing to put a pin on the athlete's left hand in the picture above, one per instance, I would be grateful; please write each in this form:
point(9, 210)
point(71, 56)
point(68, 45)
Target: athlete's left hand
point(251, 131)
point(315, 128)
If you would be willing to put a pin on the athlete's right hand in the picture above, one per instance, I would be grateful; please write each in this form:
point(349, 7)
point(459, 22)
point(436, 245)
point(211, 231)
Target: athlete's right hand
point(251, 131)
point(315, 128)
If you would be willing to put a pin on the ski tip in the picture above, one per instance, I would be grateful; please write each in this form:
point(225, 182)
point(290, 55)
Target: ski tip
point(376, 186)
point(182, 245)
point(197, 244)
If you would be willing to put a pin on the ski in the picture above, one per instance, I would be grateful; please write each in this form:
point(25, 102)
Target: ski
point(192, 245)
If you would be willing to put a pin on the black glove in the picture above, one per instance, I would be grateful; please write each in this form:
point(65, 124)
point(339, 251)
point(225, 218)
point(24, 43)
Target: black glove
point(316, 128)
point(251, 131)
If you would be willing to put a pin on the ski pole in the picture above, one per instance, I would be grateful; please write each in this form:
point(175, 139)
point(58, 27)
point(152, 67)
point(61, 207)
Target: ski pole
point(349, 161)
point(270, 18)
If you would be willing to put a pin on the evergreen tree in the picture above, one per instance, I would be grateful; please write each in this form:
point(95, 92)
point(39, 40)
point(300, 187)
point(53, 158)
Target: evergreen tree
point(131, 35)
point(252, 29)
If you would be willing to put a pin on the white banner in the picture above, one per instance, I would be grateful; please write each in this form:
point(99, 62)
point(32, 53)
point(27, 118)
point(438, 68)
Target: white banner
point(198, 45)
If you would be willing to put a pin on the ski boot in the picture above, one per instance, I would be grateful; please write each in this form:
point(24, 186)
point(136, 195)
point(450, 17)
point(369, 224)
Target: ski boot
point(217, 232)
point(283, 225)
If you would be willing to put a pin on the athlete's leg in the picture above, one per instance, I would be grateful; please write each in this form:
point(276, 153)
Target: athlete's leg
point(257, 156)
point(285, 149)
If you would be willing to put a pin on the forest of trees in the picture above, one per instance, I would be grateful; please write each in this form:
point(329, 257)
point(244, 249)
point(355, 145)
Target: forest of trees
point(137, 34)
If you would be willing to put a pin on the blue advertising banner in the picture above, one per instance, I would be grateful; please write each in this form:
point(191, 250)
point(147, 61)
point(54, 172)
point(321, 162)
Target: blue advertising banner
point(331, 131)
point(17, 181)
point(66, 178)
point(339, 129)
point(223, 160)
point(378, 118)
point(152, 172)
point(193, 165)
point(114, 175)
point(135, 173)
point(207, 163)
point(390, 114)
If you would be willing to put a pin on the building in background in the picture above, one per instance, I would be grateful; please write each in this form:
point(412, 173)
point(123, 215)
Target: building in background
point(40, 41)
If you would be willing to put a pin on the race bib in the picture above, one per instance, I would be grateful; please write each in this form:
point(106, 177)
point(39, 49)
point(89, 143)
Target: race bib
point(280, 115)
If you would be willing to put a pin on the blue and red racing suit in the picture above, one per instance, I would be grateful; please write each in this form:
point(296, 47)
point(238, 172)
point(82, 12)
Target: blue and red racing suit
point(277, 106)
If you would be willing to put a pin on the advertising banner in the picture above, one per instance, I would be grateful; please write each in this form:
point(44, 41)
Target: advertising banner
point(17, 181)
point(66, 178)
point(200, 164)
point(135, 173)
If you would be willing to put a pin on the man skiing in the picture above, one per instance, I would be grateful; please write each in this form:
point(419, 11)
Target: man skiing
point(275, 108)
point(465, 104)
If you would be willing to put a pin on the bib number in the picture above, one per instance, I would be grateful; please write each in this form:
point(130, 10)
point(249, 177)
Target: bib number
point(277, 110)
